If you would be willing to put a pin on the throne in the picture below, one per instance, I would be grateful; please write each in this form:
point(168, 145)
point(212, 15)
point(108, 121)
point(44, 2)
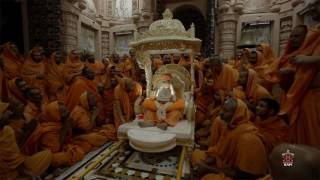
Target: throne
point(166, 36)
point(118, 160)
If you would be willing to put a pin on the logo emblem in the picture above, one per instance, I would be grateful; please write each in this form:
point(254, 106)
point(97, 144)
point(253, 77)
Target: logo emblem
point(287, 158)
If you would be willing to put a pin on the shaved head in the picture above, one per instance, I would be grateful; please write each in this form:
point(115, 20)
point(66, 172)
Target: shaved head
point(129, 83)
point(306, 162)
point(228, 109)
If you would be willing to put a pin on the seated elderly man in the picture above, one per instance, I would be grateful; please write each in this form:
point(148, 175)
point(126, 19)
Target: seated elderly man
point(165, 109)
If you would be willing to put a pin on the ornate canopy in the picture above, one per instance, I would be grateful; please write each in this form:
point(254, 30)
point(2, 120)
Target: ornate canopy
point(164, 36)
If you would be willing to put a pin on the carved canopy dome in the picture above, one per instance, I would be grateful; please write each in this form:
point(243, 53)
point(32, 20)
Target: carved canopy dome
point(167, 29)
point(167, 24)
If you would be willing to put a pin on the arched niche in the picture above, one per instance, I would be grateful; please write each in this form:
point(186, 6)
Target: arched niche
point(189, 14)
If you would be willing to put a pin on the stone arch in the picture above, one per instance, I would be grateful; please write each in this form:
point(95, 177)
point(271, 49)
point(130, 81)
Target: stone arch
point(188, 14)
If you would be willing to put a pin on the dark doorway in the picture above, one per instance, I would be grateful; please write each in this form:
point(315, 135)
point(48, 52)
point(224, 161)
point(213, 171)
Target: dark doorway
point(188, 14)
point(11, 28)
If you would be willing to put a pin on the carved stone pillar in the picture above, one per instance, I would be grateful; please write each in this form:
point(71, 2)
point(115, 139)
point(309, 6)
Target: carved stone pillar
point(146, 9)
point(227, 23)
point(209, 45)
point(285, 30)
point(110, 8)
point(105, 43)
point(70, 18)
point(275, 6)
point(135, 10)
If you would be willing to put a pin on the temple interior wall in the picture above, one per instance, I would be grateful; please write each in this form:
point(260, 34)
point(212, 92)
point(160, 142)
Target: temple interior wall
point(105, 26)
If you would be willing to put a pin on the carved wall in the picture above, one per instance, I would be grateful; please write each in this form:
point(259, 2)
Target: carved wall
point(285, 30)
point(44, 24)
point(105, 43)
point(87, 40)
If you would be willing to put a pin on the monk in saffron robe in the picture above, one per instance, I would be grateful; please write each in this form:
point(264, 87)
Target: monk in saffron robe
point(73, 68)
point(107, 100)
point(166, 109)
point(249, 83)
point(305, 165)
point(223, 75)
point(213, 111)
point(14, 164)
point(125, 95)
point(282, 70)
point(272, 128)
point(18, 89)
point(84, 119)
point(241, 59)
point(33, 70)
point(167, 59)
point(202, 103)
point(34, 106)
point(54, 133)
point(98, 67)
point(301, 103)
point(54, 77)
point(175, 58)
point(128, 67)
point(266, 52)
point(115, 60)
point(237, 151)
point(18, 123)
point(12, 60)
point(83, 83)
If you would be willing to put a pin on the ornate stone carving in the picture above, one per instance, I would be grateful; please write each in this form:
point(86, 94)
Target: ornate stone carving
point(295, 3)
point(211, 21)
point(135, 9)
point(146, 9)
point(275, 6)
point(227, 21)
point(285, 30)
point(82, 4)
point(228, 37)
point(105, 43)
point(164, 36)
point(252, 6)
point(167, 26)
point(224, 5)
point(238, 6)
point(70, 29)
point(110, 8)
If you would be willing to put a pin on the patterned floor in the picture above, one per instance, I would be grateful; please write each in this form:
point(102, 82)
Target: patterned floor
point(119, 161)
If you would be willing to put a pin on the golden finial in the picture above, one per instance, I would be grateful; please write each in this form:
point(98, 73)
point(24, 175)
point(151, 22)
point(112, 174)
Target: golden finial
point(167, 14)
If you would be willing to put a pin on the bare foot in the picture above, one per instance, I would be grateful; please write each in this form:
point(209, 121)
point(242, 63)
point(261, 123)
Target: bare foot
point(163, 126)
point(144, 124)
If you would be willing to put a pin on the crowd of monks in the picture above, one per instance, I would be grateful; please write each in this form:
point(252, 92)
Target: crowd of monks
point(257, 108)
point(56, 108)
